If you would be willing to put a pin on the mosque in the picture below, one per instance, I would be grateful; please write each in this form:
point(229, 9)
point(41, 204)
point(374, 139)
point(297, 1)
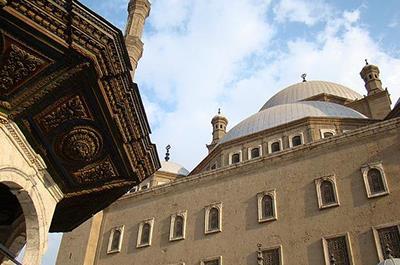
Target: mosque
point(311, 178)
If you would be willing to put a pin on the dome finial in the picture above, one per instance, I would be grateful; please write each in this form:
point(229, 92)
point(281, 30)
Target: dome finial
point(304, 77)
point(167, 153)
point(366, 62)
point(219, 111)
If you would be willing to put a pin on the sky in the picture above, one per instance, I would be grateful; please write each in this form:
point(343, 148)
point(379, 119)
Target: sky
point(201, 55)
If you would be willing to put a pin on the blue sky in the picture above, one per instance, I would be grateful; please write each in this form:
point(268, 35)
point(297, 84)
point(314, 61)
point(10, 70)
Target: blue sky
point(200, 55)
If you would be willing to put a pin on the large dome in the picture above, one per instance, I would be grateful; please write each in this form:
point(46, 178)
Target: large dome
point(282, 114)
point(174, 168)
point(308, 89)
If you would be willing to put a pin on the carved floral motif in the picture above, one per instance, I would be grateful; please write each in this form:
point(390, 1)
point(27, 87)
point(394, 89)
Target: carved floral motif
point(72, 108)
point(103, 170)
point(81, 144)
point(19, 66)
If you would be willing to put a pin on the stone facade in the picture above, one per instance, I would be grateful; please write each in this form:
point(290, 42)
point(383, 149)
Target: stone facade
point(300, 226)
point(24, 173)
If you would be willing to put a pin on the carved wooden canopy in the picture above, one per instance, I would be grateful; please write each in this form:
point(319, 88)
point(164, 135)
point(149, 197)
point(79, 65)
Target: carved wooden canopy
point(65, 80)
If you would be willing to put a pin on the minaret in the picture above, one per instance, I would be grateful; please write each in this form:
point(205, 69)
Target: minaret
point(219, 123)
point(138, 11)
point(370, 75)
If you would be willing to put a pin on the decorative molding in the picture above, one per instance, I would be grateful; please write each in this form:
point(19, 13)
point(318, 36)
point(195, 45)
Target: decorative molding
point(348, 247)
point(260, 197)
point(207, 209)
point(110, 248)
point(18, 67)
point(332, 180)
point(139, 242)
point(216, 258)
point(100, 171)
point(364, 171)
point(43, 87)
point(183, 215)
point(67, 108)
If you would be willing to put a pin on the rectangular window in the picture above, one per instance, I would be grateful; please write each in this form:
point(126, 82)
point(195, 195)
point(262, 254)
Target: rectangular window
point(271, 257)
point(338, 249)
point(387, 237)
point(115, 239)
point(212, 261)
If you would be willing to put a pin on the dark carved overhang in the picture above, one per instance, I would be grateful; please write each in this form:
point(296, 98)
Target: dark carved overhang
point(65, 79)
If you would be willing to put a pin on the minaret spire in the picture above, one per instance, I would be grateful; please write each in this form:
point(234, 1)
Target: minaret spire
point(219, 123)
point(138, 11)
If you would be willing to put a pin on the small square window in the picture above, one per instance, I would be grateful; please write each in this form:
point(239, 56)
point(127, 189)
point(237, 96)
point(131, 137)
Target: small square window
point(177, 228)
point(326, 192)
point(145, 233)
point(387, 237)
point(269, 256)
point(115, 240)
point(212, 261)
point(266, 201)
point(374, 179)
point(337, 249)
point(213, 218)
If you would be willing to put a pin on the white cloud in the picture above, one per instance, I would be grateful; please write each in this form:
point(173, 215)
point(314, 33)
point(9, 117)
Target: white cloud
point(307, 12)
point(190, 73)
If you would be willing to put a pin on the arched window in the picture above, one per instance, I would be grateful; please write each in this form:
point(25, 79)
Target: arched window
point(328, 134)
point(267, 207)
point(296, 140)
point(327, 192)
point(275, 147)
point(235, 158)
point(145, 238)
point(213, 219)
point(178, 226)
point(255, 152)
point(115, 240)
point(375, 181)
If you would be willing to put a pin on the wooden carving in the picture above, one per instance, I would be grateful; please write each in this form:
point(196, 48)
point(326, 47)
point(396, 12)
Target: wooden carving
point(66, 109)
point(101, 171)
point(81, 144)
point(18, 67)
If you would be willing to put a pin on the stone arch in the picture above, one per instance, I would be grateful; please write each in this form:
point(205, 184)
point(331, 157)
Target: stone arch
point(22, 186)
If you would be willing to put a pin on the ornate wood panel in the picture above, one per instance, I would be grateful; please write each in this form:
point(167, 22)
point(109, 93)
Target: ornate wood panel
point(65, 79)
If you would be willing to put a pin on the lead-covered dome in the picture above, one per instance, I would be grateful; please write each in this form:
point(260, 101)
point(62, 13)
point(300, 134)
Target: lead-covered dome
point(303, 90)
point(173, 168)
point(285, 113)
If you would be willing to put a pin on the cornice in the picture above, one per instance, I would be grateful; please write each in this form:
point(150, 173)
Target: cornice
point(226, 171)
point(284, 127)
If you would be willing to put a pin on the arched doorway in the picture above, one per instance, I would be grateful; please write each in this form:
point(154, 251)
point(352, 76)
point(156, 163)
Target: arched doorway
point(21, 217)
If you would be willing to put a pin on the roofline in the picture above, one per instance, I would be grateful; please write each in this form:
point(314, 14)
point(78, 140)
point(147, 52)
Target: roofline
point(276, 128)
point(368, 130)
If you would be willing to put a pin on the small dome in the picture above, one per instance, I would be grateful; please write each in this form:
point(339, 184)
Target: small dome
point(173, 168)
point(390, 261)
point(282, 114)
point(303, 90)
